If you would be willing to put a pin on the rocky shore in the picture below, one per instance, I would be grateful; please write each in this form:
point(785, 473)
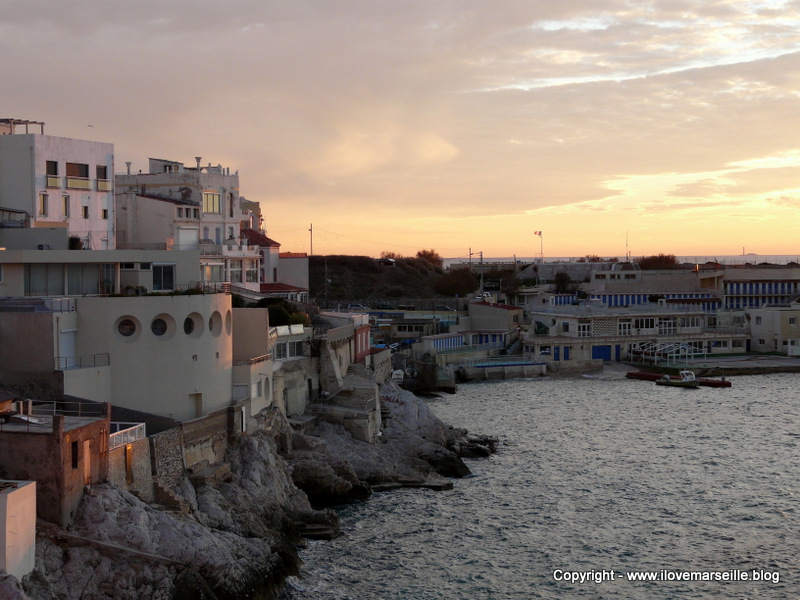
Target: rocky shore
point(236, 538)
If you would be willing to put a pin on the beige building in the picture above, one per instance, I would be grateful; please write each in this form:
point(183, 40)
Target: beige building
point(176, 206)
point(776, 329)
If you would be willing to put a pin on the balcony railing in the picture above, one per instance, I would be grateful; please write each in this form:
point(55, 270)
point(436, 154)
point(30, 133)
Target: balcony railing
point(79, 183)
point(104, 185)
point(126, 433)
point(64, 363)
point(53, 181)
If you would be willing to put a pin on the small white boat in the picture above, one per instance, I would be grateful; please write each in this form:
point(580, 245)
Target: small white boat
point(685, 379)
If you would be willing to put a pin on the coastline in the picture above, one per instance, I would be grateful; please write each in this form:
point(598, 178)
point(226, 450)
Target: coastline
point(238, 534)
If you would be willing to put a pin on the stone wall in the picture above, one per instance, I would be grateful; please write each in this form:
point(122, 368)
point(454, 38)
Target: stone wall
point(137, 454)
point(166, 456)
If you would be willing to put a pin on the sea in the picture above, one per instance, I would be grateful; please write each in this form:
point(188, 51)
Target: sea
point(602, 487)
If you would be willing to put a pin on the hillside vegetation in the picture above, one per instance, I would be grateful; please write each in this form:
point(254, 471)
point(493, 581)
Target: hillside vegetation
point(357, 278)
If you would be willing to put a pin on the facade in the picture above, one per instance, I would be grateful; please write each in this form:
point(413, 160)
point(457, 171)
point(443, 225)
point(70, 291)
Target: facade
point(189, 207)
point(252, 362)
point(59, 273)
point(754, 287)
point(577, 335)
point(776, 329)
point(282, 274)
point(49, 181)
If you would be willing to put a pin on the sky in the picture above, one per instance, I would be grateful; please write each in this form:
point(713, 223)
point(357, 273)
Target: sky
point(610, 126)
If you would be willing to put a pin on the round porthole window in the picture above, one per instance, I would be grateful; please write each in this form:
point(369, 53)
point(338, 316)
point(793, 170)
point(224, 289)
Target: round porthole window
point(158, 326)
point(126, 327)
point(188, 325)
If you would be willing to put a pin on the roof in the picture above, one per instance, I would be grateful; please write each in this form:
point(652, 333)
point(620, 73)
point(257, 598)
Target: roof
point(293, 255)
point(503, 306)
point(256, 238)
point(6, 395)
point(271, 288)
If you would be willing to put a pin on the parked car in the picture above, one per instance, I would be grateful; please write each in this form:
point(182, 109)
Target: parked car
point(387, 262)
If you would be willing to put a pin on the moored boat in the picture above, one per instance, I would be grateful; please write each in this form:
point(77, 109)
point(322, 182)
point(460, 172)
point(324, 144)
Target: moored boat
point(685, 379)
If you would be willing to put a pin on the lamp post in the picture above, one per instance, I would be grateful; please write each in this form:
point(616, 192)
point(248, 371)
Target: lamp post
point(481, 267)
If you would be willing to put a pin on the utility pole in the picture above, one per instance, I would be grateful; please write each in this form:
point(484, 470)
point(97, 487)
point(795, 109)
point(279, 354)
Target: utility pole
point(311, 232)
point(481, 263)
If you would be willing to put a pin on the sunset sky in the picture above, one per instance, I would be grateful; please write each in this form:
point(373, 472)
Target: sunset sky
point(395, 125)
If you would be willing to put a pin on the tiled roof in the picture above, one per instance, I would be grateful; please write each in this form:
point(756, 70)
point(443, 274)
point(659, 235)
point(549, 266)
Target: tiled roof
point(256, 238)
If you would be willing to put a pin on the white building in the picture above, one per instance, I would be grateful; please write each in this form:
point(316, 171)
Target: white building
point(48, 181)
point(17, 527)
point(175, 206)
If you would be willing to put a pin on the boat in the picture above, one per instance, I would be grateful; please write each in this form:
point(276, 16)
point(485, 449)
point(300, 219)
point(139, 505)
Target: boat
point(704, 381)
point(686, 379)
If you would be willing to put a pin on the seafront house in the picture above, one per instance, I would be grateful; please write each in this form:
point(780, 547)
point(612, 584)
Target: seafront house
point(282, 274)
point(585, 335)
point(49, 181)
point(189, 207)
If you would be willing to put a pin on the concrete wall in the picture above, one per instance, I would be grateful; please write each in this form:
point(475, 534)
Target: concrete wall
point(178, 374)
point(290, 380)
point(251, 333)
point(205, 439)
point(137, 455)
point(28, 341)
point(18, 528)
point(293, 270)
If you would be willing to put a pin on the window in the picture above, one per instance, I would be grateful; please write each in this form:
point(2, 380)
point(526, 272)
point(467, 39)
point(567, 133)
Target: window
point(65, 205)
point(158, 326)
point(230, 233)
point(78, 176)
point(195, 213)
point(758, 320)
point(584, 329)
point(188, 325)
point(624, 328)
point(44, 279)
point(83, 279)
point(127, 327)
point(180, 212)
point(85, 212)
point(43, 205)
point(74, 455)
point(630, 276)
point(1, 273)
point(280, 351)
point(102, 172)
point(105, 213)
point(163, 278)
point(252, 271)
point(211, 202)
point(565, 327)
point(792, 320)
point(144, 266)
point(236, 271)
point(52, 180)
point(230, 204)
point(644, 323)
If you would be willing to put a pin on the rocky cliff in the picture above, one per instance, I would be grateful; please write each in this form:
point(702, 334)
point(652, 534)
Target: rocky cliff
point(235, 537)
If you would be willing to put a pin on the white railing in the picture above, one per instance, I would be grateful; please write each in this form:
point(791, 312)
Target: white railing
point(131, 433)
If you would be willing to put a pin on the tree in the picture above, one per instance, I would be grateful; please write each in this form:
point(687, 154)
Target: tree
point(75, 243)
point(432, 257)
point(392, 255)
point(456, 282)
point(657, 261)
point(563, 282)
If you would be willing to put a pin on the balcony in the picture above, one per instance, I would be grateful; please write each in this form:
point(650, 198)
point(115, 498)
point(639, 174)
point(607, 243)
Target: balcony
point(53, 181)
point(104, 185)
point(79, 183)
point(65, 363)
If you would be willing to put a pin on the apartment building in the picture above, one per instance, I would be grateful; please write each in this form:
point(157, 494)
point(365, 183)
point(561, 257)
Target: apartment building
point(49, 181)
point(175, 206)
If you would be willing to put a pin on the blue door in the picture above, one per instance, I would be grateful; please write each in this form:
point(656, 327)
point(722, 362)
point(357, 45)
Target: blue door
point(603, 352)
point(616, 352)
point(566, 352)
point(556, 350)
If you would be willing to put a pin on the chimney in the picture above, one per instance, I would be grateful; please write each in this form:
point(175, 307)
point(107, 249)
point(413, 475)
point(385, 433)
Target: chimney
point(128, 164)
point(198, 159)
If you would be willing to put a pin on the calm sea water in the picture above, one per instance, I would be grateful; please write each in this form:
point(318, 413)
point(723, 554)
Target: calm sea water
point(593, 475)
